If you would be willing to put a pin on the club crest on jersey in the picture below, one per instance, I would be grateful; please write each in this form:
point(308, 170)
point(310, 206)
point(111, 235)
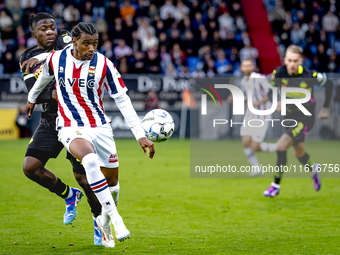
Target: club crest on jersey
point(61, 69)
point(92, 71)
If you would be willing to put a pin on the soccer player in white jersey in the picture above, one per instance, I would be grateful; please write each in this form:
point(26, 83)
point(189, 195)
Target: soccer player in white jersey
point(252, 137)
point(82, 75)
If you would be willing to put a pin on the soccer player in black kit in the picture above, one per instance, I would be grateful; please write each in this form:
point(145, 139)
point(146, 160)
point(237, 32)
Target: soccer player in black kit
point(292, 74)
point(44, 143)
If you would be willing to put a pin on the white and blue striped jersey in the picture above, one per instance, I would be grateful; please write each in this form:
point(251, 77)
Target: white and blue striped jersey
point(80, 86)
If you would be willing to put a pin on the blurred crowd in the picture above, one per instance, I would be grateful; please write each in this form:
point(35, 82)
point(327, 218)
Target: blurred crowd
point(313, 25)
point(180, 38)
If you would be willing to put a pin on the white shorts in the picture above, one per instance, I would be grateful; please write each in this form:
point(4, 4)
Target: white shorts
point(101, 138)
point(257, 133)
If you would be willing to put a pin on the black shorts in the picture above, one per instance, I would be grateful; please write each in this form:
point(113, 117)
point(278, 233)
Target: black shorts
point(304, 125)
point(45, 145)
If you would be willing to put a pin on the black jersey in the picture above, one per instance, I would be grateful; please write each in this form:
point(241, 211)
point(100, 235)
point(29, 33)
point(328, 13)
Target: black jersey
point(49, 104)
point(305, 79)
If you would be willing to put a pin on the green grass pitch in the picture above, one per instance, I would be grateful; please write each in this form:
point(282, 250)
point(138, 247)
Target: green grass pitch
point(167, 212)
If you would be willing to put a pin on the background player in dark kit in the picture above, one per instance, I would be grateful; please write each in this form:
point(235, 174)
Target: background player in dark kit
point(292, 74)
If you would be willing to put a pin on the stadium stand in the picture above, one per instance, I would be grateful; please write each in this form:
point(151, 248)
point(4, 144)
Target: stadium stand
point(260, 33)
point(313, 25)
point(139, 36)
point(189, 37)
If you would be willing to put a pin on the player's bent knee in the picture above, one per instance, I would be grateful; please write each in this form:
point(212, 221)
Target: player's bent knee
point(255, 146)
point(299, 153)
point(31, 166)
point(246, 144)
point(281, 148)
point(246, 141)
point(112, 181)
point(111, 175)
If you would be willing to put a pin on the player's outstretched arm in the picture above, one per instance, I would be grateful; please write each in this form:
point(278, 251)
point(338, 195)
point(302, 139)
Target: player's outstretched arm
point(29, 78)
point(323, 113)
point(117, 91)
point(39, 86)
point(278, 107)
point(44, 78)
point(259, 102)
point(230, 99)
point(32, 61)
point(126, 108)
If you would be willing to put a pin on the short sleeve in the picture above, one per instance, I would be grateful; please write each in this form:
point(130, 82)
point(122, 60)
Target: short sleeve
point(63, 39)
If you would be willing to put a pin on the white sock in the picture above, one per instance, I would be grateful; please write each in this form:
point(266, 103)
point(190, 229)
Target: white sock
point(70, 194)
point(252, 159)
point(268, 147)
point(115, 195)
point(99, 185)
point(115, 192)
point(275, 185)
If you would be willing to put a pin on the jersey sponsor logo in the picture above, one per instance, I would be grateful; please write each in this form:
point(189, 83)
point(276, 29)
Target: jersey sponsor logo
point(113, 158)
point(81, 82)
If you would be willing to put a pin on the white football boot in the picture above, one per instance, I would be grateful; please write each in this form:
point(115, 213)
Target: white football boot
point(121, 231)
point(107, 237)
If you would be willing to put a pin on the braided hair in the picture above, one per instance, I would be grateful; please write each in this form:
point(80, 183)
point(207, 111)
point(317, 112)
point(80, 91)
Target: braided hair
point(83, 28)
point(39, 16)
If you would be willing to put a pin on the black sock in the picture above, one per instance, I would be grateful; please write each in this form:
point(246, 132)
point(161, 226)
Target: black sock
point(281, 161)
point(61, 189)
point(306, 161)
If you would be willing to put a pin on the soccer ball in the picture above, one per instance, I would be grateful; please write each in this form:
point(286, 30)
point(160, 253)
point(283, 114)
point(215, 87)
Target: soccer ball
point(158, 125)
